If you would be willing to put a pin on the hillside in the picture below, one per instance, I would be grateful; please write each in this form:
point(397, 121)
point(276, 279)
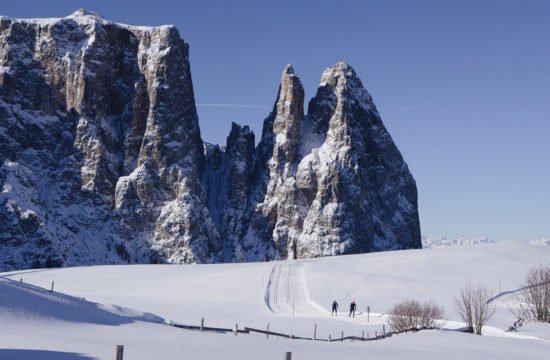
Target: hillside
point(256, 294)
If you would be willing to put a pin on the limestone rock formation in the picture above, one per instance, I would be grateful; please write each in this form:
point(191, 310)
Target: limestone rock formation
point(99, 122)
point(361, 194)
point(102, 161)
point(335, 182)
point(231, 176)
point(281, 208)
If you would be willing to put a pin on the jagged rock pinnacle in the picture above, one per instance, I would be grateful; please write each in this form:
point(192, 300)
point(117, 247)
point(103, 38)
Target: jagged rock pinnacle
point(289, 70)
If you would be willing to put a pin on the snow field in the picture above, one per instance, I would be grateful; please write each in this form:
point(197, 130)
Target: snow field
point(255, 294)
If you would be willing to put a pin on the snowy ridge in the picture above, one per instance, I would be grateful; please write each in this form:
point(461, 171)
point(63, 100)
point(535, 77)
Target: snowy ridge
point(86, 17)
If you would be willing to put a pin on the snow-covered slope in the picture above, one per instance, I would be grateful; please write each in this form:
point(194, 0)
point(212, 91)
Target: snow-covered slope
point(256, 294)
point(25, 301)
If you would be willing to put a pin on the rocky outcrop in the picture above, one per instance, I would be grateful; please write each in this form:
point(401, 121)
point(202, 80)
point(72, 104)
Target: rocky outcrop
point(103, 116)
point(101, 158)
point(231, 175)
point(280, 209)
point(333, 181)
point(360, 192)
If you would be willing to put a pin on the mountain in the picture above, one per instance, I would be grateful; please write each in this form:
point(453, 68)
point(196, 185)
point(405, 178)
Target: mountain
point(331, 182)
point(102, 161)
point(430, 242)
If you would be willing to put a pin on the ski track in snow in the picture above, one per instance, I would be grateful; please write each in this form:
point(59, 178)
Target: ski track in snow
point(286, 290)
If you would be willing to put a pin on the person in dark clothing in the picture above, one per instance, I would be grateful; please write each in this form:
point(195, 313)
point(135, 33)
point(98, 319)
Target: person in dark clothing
point(334, 308)
point(352, 308)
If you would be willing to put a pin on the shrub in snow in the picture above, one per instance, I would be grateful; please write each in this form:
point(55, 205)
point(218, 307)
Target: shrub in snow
point(535, 294)
point(474, 307)
point(413, 315)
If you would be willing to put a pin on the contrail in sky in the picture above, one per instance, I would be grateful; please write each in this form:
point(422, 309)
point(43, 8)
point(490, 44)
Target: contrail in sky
point(243, 106)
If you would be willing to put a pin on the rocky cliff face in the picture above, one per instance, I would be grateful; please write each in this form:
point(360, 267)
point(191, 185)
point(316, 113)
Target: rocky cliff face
point(101, 158)
point(99, 127)
point(332, 182)
point(361, 194)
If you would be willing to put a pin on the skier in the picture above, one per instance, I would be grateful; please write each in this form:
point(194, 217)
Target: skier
point(352, 307)
point(334, 308)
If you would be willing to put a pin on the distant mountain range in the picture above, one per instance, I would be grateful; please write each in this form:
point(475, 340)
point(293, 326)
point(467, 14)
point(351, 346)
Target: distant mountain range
point(430, 242)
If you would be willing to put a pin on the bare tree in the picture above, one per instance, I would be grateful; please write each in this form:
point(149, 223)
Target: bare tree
point(413, 315)
point(535, 295)
point(464, 307)
point(483, 309)
point(403, 315)
point(429, 315)
point(474, 308)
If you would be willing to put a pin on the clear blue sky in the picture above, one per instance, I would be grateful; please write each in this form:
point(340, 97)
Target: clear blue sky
point(463, 87)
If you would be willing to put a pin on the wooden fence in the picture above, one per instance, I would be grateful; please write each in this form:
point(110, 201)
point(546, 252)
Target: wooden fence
point(119, 353)
point(119, 349)
point(267, 332)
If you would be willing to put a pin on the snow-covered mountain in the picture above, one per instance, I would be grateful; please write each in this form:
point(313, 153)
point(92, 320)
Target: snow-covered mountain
point(101, 158)
point(541, 241)
point(429, 242)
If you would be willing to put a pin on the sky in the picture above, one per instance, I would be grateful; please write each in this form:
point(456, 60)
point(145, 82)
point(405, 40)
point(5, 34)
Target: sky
point(462, 86)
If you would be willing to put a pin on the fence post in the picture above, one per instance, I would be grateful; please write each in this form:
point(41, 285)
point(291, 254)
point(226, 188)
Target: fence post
point(52, 286)
point(363, 336)
point(21, 280)
point(267, 333)
point(236, 329)
point(376, 334)
point(329, 338)
point(202, 324)
point(384, 329)
point(368, 313)
point(315, 332)
point(368, 337)
point(288, 355)
point(342, 338)
point(119, 352)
